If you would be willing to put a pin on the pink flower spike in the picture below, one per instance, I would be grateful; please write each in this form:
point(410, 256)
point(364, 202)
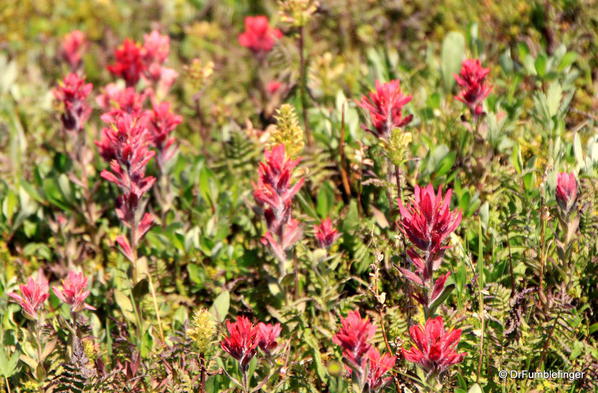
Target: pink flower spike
point(378, 366)
point(72, 94)
point(474, 88)
point(429, 220)
point(267, 336)
point(155, 47)
point(566, 191)
point(435, 348)
point(33, 295)
point(74, 292)
point(258, 36)
point(72, 48)
point(241, 342)
point(354, 337)
point(385, 107)
point(162, 122)
point(326, 234)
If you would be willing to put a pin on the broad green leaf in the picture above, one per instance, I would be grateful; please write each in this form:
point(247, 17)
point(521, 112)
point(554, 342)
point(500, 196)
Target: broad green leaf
point(220, 306)
point(475, 388)
point(453, 53)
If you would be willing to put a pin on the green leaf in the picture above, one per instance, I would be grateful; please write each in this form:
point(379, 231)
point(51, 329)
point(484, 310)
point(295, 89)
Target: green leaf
point(141, 289)
point(453, 52)
point(8, 367)
point(220, 306)
point(195, 273)
point(9, 205)
point(553, 98)
point(441, 298)
point(475, 388)
point(126, 307)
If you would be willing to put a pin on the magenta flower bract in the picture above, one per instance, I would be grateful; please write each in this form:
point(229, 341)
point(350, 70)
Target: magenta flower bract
point(162, 122)
point(241, 342)
point(275, 191)
point(115, 100)
point(72, 48)
point(33, 295)
point(72, 93)
point(274, 87)
point(429, 220)
point(385, 106)
point(129, 63)
point(259, 36)
point(566, 191)
point(74, 292)
point(155, 52)
point(354, 337)
point(325, 233)
point(125, 146)
point(378, 366)
point(435, 348)
point(474, 88)
point(267, 336)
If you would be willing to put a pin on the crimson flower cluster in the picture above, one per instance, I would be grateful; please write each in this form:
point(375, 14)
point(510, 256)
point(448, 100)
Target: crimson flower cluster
point(34, 294)
point(474, 88)
point(129, 63)
point(244, 338)
point(326, 234)
point(435, 347)
point(125, 146)
point(72, 93)
point(363, 360)
point(566, 191)
point(72, 48)
point(259, 36)
point(274, 192)
point(385, 106)
point(427, 223)
point(115, 99)
point(134, 61)
point(74, 292)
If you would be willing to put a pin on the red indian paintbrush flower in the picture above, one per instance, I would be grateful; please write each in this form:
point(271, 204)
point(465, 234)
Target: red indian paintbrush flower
point(274, 87)
point(566, 191)
point(274, 191)
point(435, 348)
point(385, 106)
point(73, 47)
point(125, 145)
point(377, 366)
point(74, 292)
point(354, 337)
point(33, 295)
point(155, 52)
point(326, 234)
point(267, 336)
point(259, 36)
point(72, 93)
point(115, 100)
point(162, 122)
point(429, 221)
point(129, 63)
point(242, 341)
point(474, 88)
